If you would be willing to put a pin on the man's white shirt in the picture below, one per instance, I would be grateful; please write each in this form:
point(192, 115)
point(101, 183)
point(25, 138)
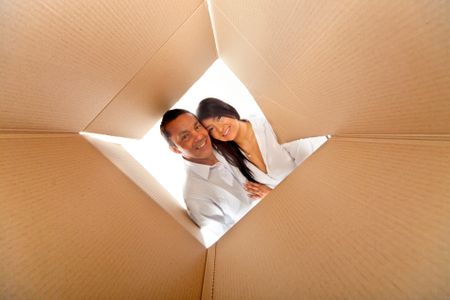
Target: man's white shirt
point(215, 196)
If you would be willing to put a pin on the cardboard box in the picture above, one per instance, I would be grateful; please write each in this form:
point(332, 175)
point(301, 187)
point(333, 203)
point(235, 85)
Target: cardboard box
point(366, 217)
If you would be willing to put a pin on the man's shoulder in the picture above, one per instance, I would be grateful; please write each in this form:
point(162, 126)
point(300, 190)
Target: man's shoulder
point(198, 195)
point(196, 186)
point(193, 178)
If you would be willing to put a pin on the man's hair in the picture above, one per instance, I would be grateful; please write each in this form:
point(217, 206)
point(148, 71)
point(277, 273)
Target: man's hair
point(168, 117)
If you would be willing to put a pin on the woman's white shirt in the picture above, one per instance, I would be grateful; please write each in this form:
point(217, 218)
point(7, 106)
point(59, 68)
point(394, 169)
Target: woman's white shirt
point(280, 160)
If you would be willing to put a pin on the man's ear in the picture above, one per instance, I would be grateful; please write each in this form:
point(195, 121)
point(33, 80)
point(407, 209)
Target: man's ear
point(175, 149)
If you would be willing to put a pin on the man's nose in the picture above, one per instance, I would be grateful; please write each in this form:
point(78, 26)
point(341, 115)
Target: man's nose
point(198, 136)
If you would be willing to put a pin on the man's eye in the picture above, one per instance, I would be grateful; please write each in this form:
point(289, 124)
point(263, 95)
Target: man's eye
point(210, 129)
point(184, 137)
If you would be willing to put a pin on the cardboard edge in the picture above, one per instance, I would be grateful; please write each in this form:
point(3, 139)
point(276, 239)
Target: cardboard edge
point(209, 274)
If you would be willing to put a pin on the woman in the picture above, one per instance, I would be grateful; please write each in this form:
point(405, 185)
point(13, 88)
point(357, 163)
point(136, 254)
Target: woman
point(251, 145)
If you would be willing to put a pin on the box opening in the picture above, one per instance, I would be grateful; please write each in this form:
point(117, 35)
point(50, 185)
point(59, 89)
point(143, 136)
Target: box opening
point(152, 151)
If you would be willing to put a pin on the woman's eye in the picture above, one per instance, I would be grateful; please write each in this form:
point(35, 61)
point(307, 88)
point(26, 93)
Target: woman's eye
point(219, 119)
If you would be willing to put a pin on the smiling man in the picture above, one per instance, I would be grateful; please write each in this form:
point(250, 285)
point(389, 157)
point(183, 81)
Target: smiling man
point(214, 190)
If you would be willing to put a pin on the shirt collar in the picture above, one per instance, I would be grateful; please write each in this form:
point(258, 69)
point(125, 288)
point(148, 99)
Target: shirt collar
point(199, 169)
point(203, 170)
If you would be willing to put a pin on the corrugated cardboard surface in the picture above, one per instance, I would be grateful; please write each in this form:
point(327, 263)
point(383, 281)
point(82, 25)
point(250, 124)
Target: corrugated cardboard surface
point(263, 82)
point(342, 66)
point(360, 219)
point(142, 178)
point(364, 217)
point(162, 81)
point(73, 226)
point(61, 62)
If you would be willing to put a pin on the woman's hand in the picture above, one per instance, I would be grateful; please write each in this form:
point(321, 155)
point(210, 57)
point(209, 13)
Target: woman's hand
point(256, 190)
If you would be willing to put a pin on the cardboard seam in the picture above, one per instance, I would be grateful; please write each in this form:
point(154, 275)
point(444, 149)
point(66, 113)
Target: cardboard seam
point(204, 274)
point(31, 130)
point(209, 6)
point(393, 139)
point(209, 274)
point(262, 58)
point(143, 66)
point(434, 137)
point(36, 135)
point(214, 272)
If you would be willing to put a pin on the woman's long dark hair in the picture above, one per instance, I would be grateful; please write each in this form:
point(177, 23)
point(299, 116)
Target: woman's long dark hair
point(212, 108)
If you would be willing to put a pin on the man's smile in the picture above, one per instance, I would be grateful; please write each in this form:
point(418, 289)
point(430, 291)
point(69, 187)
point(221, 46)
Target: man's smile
point(201, 144)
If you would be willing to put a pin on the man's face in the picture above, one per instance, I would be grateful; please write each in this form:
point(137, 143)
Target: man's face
point(191, 139)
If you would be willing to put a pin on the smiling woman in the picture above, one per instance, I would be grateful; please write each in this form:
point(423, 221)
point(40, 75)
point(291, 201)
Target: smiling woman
point(251, 145)
point(226, 128)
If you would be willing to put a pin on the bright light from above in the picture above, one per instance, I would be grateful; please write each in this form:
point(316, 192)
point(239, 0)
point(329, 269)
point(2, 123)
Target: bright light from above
point(152, 151)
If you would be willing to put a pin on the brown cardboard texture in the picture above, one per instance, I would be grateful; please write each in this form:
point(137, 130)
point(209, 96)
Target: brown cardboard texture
point(365, 217)
point(73, 226)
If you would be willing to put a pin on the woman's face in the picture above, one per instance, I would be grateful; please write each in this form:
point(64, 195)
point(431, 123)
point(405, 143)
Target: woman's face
point(222, 128)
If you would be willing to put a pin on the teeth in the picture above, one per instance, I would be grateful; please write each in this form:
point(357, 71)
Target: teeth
point(202, 144)
point(226, 131)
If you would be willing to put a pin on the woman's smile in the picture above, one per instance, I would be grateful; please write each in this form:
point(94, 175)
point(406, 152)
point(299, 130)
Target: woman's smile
point(226, 131)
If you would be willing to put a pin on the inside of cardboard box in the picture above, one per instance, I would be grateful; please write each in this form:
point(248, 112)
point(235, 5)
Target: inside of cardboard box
point(152, 152)
point(366, 217)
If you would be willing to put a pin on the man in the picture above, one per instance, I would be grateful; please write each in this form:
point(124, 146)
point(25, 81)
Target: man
point(215, 192)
